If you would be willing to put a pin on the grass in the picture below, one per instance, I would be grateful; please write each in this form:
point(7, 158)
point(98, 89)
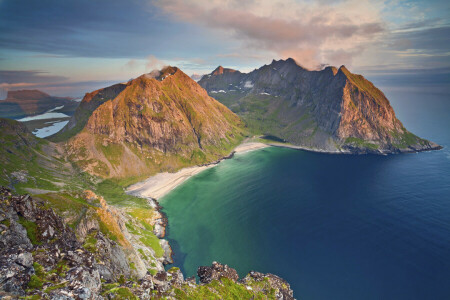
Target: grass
point(114, 194)
point(360, 143)
point(152, 241)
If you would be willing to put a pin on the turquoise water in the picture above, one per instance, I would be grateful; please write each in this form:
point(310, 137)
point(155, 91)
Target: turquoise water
point(334, 226)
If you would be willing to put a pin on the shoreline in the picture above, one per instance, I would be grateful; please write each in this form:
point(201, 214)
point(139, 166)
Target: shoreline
point(161, 184)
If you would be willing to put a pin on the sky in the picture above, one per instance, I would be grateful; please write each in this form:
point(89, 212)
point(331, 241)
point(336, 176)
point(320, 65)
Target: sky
point(71, 47)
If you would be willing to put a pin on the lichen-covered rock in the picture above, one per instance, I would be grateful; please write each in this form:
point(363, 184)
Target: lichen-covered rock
point(282, 288)
point(215, 272)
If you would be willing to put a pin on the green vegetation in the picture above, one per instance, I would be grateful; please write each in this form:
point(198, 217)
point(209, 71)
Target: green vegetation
point(31, 228)
point(152, 241)
point(121, 293)
point(224, 289)
point(6, 222)
point(112, 152)
point(360, 143)
point(406, 139)
point(55, 287)
point(35, 282)
point(115, 194)
point(90, 243)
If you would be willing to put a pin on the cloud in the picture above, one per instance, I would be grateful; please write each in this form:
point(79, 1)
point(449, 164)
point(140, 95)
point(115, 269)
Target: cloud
point(311, 32)
point(153, 63)
point(52, 84)
point(29, 76)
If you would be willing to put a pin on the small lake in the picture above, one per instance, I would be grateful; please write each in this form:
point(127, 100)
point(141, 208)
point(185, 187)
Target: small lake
point(51, 114)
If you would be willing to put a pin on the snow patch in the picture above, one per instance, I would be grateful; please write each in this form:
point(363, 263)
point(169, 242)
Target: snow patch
point(248, 84)
point(264, 93)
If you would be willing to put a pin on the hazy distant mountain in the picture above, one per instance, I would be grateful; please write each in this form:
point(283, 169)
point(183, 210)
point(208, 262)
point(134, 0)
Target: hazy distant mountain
point(328, 110)
point(19, 104)
point(196, 77)
point(158, 121)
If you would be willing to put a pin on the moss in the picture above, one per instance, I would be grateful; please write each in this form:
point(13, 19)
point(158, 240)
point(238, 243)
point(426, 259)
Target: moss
point(55, 287)
point(108, 286)
point(90, 243)
point(31, 228)
point(35, 282)
point(133, 266)
point(6, 222)
point(121, 293)
point(121, 279)
point(153, 271)
point(31, 297)
point(38, 269)
point(173, 270)
point(61, 268)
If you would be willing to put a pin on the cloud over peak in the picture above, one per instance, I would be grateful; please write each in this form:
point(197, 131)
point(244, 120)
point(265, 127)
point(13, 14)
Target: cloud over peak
point(311, 32)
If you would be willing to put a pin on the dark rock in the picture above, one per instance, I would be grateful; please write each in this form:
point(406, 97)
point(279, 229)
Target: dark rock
point(215, 272)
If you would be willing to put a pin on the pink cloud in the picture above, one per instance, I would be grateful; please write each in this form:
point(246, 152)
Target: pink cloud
point(312, 32)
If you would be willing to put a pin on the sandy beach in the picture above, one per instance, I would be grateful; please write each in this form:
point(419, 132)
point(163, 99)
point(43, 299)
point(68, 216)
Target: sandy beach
point(162, 183)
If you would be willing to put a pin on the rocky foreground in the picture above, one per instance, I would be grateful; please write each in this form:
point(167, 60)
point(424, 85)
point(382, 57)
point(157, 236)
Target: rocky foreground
point(42, 258)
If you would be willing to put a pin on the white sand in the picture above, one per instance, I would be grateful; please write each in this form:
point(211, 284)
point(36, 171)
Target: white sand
point(162, 183)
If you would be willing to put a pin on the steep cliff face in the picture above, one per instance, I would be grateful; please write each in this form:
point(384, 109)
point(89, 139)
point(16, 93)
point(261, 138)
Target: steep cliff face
point(160, 121)
point(332, 109)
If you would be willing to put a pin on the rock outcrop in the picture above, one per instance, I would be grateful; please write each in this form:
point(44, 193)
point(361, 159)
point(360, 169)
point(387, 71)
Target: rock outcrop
point(330, 110)
point(42, 258)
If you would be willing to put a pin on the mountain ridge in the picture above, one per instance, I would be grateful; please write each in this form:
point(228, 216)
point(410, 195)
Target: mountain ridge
point(331, 110)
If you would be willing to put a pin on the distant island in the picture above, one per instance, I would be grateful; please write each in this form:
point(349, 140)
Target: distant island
point(25, 103)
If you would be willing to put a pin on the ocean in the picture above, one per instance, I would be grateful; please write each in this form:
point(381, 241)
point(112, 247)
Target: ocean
point(333, 226)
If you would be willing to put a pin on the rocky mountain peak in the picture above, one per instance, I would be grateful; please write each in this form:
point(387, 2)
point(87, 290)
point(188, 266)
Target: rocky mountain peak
point(160, 75)
point(221, 70)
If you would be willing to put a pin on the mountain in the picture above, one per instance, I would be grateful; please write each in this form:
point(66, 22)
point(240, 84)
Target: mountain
point(88, 104)
point(160, 121)
point(331, 110)
point(196, 77)
point(23, 103)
